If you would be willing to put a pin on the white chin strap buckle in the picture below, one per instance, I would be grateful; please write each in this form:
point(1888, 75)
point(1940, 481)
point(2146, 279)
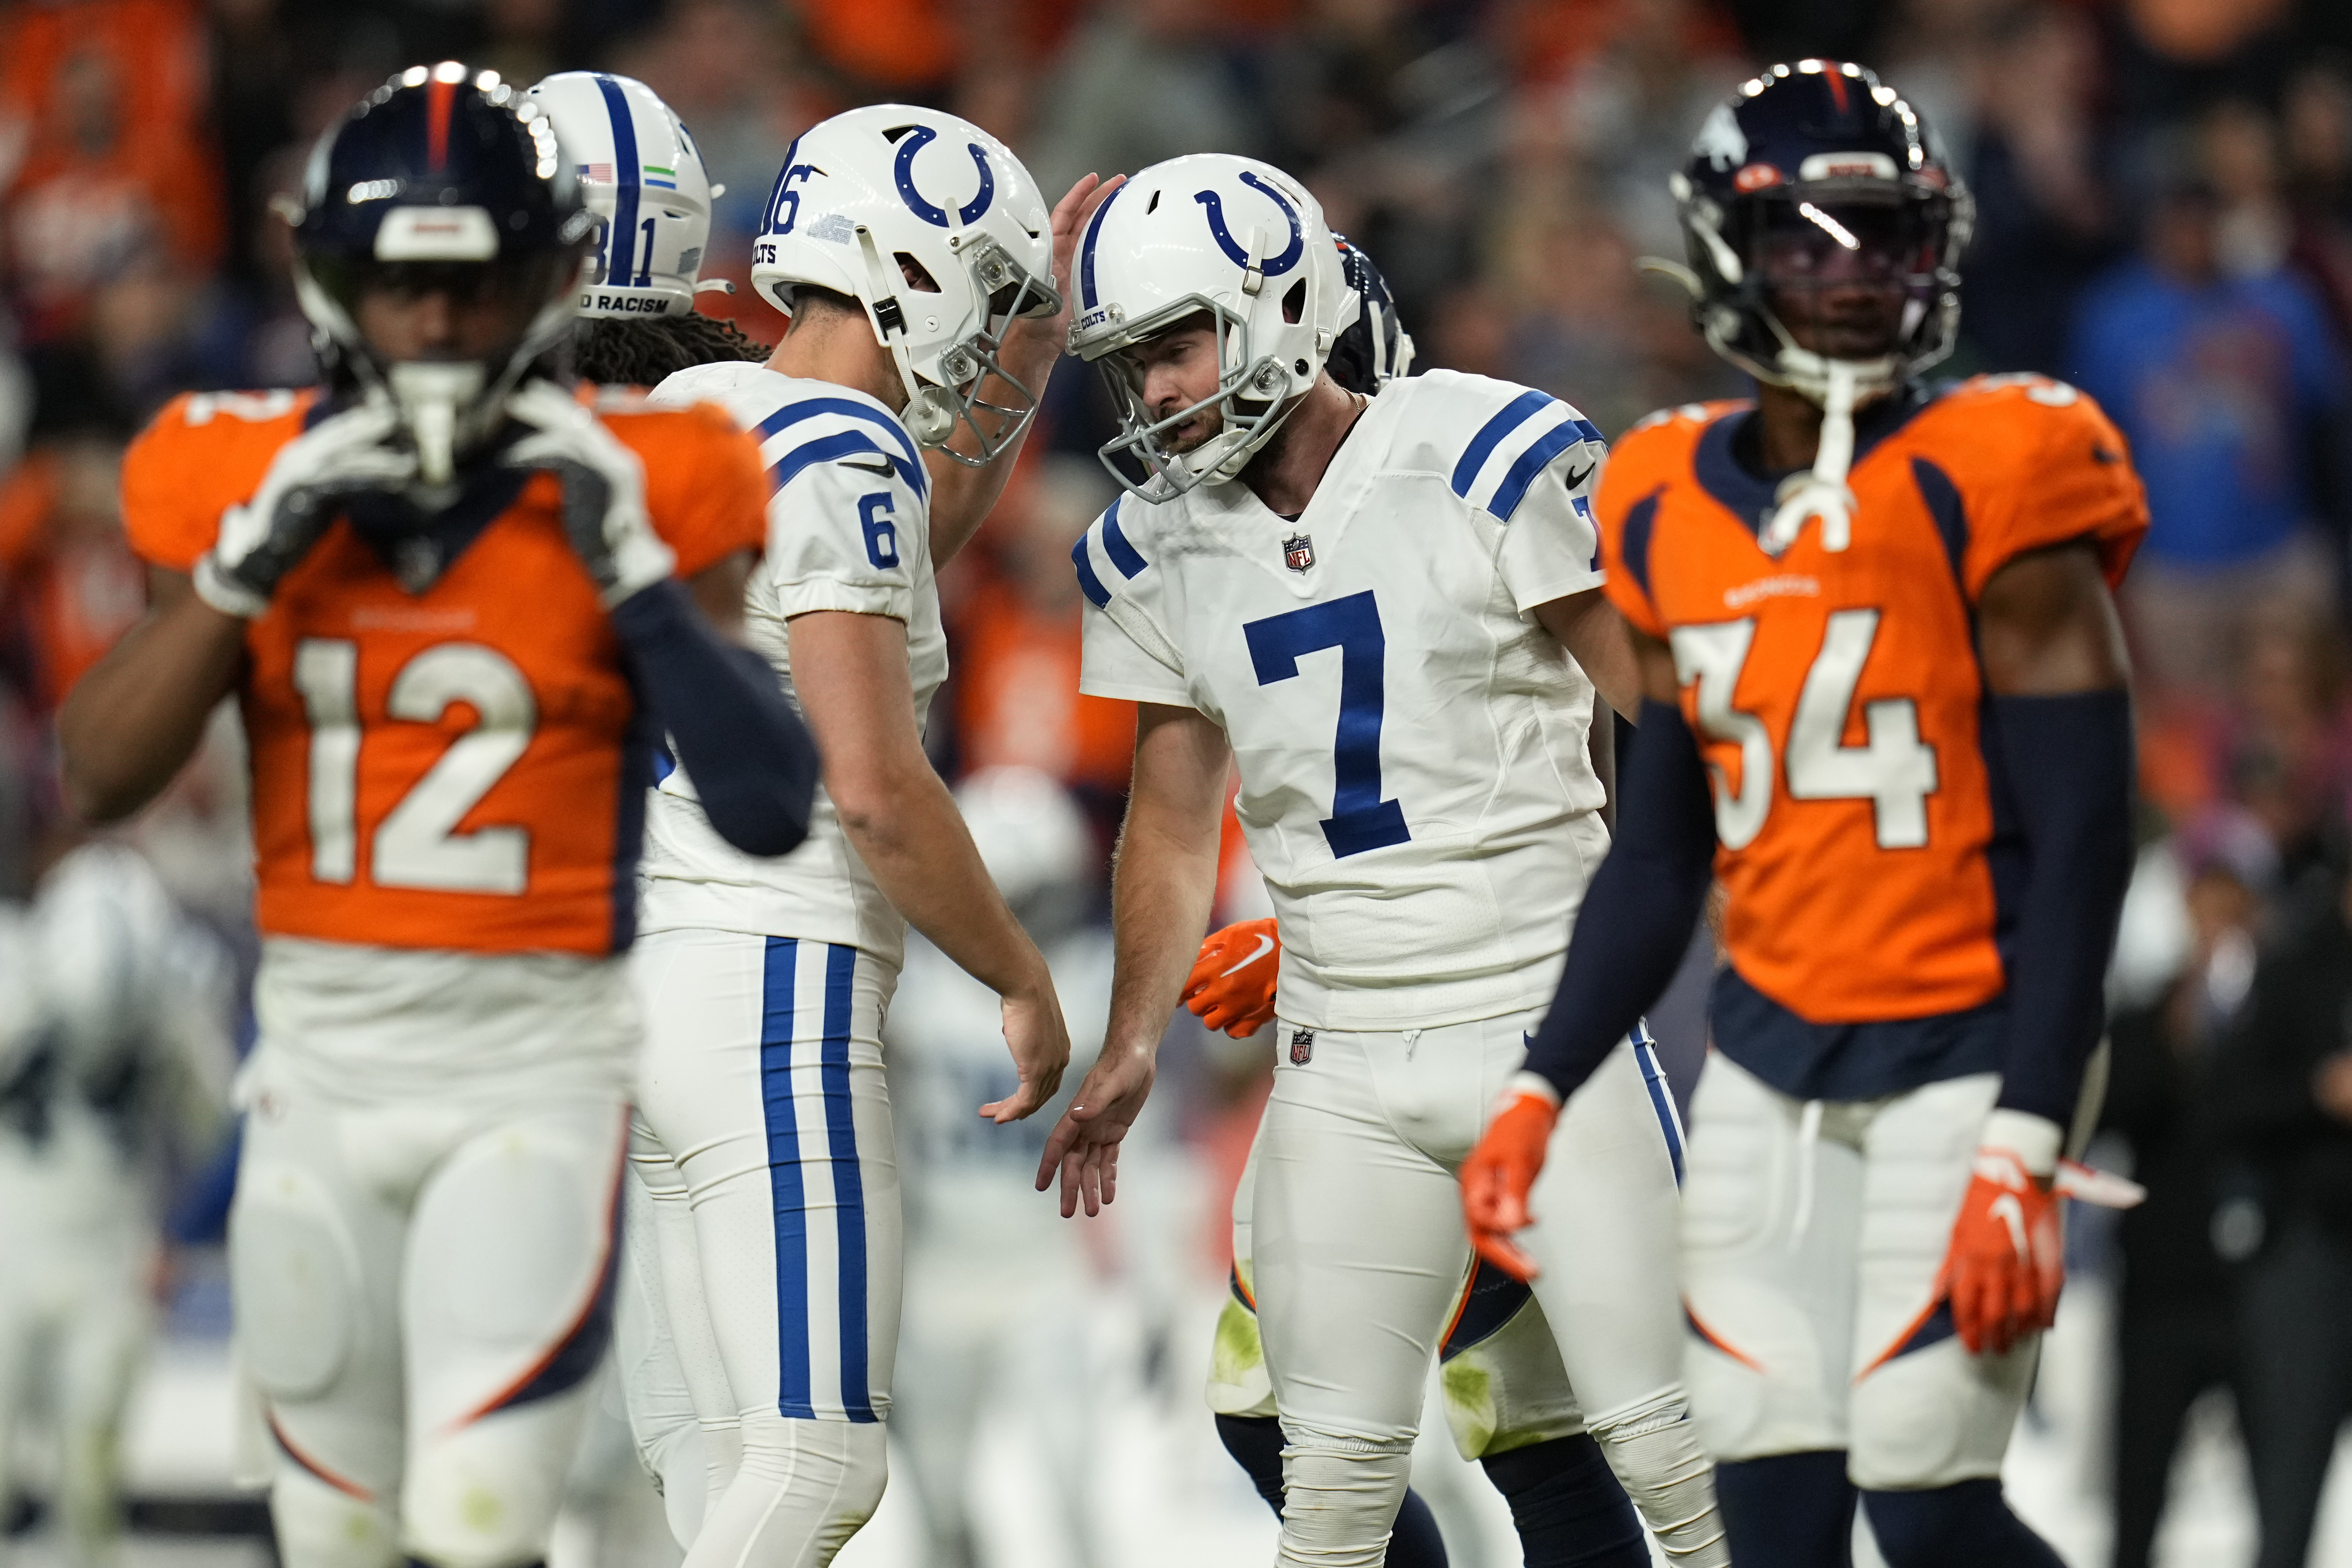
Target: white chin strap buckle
point(432, 396)
point(1822, 493)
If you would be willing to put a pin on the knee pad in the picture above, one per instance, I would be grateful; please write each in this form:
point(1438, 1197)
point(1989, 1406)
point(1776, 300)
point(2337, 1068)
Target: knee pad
point(320, 1526)
point(1958, 1526)
point(486, 1495)
point(1567, 1505)
point(1341, 1497)
point(1654, 1447)
point(294, 1276)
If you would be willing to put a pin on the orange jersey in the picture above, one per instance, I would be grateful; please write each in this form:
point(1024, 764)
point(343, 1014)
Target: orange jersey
point(1835, 696)
point(461, 767)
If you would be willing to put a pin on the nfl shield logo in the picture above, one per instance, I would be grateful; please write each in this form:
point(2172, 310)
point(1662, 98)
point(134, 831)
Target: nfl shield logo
point(1302, 1046)
point(1298, 552)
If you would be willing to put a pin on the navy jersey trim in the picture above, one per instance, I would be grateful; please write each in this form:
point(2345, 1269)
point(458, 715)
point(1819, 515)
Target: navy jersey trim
point(1641, 522)
point(1852, 1061)
point(1943, 498)
point(1752, 498)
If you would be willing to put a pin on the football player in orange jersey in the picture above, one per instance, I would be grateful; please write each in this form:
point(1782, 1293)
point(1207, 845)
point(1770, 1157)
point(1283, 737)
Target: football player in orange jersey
point(446, 596)
point(1880, 617)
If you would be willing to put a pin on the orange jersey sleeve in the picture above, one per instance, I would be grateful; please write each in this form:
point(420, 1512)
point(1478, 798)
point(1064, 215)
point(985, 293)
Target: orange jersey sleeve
point(1646, 461)
point(704, 483)
point(2042, 466)
point(203, 454)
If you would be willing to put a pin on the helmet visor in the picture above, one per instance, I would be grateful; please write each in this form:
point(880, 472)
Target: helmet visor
point(444, 310)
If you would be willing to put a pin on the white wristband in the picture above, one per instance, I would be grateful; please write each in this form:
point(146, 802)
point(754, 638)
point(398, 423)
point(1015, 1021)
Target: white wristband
point(1533, 1083)
point(2034, 1140)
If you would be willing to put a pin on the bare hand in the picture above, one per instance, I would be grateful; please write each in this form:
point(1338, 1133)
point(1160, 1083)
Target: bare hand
point(1085, 1143)
point(1038, 340)
point(1040, 1043)
point(2331, 1084)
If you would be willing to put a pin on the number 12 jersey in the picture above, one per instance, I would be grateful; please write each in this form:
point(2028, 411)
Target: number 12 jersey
point(1414, 780)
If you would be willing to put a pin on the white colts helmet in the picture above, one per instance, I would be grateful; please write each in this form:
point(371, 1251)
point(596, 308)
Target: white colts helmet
point(642, 176)
point(871, 196)
point(1240, 240)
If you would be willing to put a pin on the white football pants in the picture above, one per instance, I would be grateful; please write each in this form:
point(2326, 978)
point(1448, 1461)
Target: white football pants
point(1359, 1252)
point(1812, 1237)
point(77, 1271)
point(762, 1087)
point(422, 1290)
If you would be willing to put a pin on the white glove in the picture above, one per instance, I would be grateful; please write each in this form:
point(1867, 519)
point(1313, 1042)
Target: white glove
point(603, 490)
point(263, 538)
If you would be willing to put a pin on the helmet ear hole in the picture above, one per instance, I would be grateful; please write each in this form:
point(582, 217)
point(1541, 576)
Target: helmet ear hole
point(917, 276)
point(1294, 303)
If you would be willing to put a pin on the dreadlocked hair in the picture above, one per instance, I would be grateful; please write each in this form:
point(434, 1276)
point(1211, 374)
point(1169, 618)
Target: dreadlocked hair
point(612, 352)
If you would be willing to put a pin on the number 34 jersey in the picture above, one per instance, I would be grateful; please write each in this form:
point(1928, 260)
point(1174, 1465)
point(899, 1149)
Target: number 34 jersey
point(1414, 780)
point(459, 764)
point(1837, 696)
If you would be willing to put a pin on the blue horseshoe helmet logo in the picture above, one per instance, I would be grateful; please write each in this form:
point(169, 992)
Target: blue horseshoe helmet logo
point(921, 137)
point(1274, 266)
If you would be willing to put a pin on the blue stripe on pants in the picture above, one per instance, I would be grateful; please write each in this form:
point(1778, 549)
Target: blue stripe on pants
point(785, 1183)
point(849, 1183)
point(1662, 1099)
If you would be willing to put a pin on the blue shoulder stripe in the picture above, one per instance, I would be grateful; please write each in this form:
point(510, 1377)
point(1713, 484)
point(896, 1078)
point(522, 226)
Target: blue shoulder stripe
point(791, 413)
point(1547, 447)
point(1089, 584)
point(1123, 555)
point(1086, 254)
point(824, 449)
point(1519, 410)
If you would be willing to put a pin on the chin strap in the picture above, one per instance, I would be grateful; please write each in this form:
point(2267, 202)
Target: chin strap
point(1822, 493)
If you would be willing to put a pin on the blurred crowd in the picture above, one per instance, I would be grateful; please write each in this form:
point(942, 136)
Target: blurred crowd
point(2163, 216)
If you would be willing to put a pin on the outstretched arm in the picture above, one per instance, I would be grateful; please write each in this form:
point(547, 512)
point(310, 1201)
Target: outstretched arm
point(851, 673)
point(1161, 891)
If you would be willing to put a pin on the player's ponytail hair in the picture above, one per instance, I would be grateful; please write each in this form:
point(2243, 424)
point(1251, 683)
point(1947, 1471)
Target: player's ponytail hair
point(612, 352)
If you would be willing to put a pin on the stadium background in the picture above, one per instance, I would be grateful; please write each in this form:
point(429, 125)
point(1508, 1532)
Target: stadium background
point(2164, 194)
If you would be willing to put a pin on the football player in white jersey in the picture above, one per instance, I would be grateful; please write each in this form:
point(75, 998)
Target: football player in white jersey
point(916, 261)
point(1426, 817)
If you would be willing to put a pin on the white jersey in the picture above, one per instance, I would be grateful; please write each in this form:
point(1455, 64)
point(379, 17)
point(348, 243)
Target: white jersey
point(848, 529)
point(1414, 782)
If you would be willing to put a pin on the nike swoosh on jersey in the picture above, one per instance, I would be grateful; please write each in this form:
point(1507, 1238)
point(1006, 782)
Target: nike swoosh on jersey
point(872, 465)
point(1265, 946)
point(1580, 475)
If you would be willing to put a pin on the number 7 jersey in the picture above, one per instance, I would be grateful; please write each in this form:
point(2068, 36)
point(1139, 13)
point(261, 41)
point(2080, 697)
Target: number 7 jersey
point(1835, 695)
point(1414, 780)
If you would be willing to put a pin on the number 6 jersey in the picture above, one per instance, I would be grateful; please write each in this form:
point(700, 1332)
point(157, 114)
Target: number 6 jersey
point(445, 750)
point(1415, 781)
point(1835, 696)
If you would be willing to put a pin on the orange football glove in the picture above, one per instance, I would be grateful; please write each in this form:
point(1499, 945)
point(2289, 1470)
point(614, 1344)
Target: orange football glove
point(1499, 1172)
point(1232, 983)
point(2007, 1259)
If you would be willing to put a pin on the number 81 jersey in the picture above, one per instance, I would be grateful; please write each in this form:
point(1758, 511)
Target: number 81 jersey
point(445, 749)
point(1835, 695)
point(1414, 780)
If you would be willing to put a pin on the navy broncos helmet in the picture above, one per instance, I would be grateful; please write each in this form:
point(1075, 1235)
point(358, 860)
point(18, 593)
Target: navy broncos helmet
point(442, 179)
point(1372, 348)
point(1805, 162)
